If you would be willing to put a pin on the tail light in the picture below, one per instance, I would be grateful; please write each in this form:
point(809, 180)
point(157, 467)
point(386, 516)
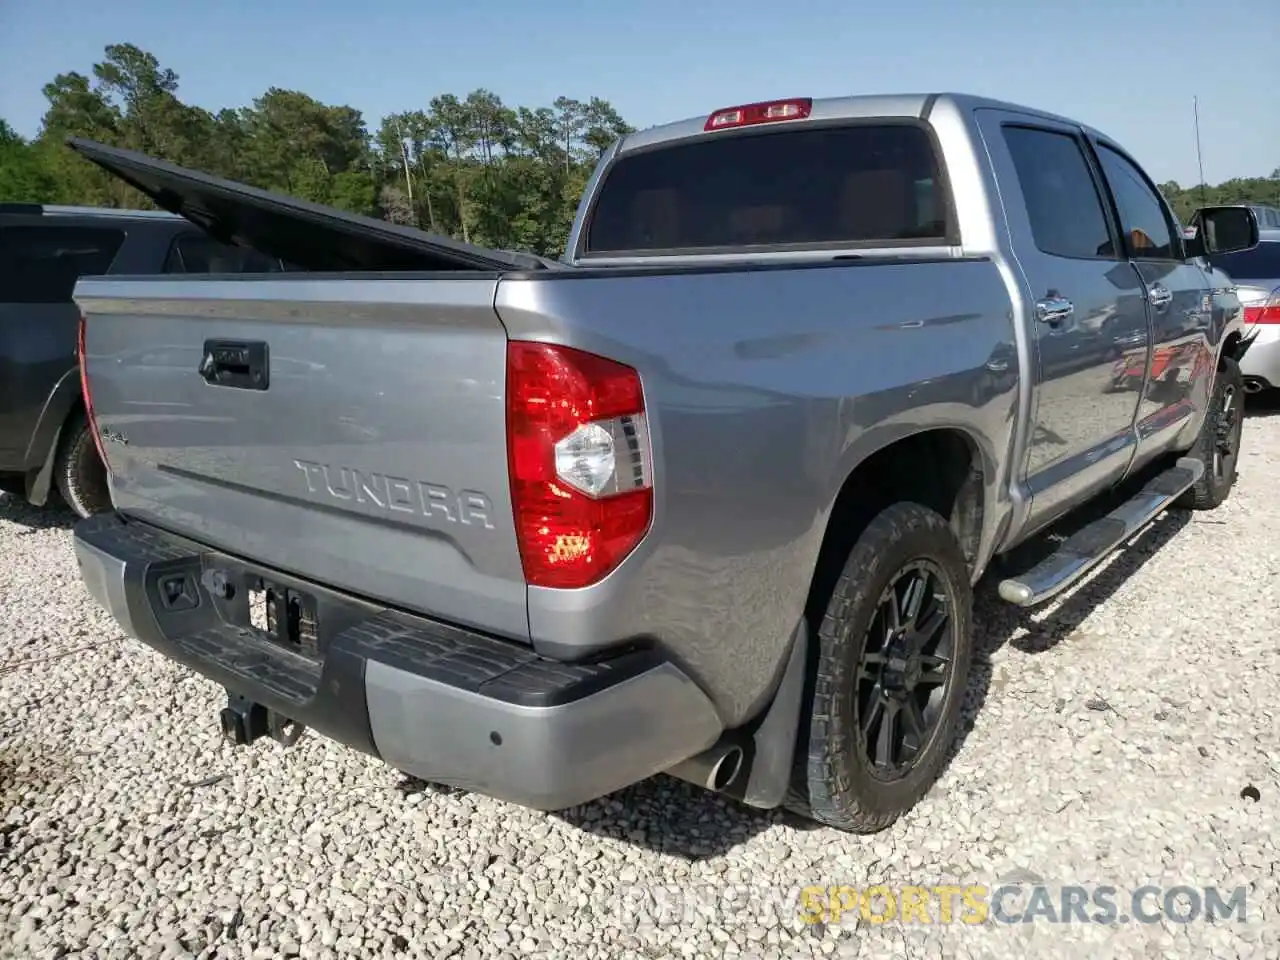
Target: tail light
point(1268, 311)
point(581, 472)
point(768, 111)
point(90, 419)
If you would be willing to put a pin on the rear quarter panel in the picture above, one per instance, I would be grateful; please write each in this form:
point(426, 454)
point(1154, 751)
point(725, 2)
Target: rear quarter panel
point(765, 388)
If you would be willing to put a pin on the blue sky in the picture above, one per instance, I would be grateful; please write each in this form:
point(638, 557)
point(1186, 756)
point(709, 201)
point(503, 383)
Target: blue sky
point(1129, 67)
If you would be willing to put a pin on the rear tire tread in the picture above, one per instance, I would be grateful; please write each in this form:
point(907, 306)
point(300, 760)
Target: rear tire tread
point(826, 785)
point(79, 473)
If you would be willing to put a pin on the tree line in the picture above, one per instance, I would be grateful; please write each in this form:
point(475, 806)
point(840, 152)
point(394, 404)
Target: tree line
point(469, 167)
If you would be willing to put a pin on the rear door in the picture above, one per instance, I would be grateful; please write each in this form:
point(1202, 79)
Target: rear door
point(40, 262)
point(1089, 318)
point(1179, 305)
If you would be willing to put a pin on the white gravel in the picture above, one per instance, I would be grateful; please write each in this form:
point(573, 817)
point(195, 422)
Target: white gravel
point(1112, 737)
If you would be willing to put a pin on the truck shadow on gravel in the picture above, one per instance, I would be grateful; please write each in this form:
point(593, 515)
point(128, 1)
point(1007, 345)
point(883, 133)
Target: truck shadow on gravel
point(17, 511)
point(669, 816)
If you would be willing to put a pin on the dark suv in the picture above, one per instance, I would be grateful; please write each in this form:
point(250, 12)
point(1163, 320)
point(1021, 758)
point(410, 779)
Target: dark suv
point(44, 442)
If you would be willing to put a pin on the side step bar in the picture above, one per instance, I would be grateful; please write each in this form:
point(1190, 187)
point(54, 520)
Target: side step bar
point(1085, 549)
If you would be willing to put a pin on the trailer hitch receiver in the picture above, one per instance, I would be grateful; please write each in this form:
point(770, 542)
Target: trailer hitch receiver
point(244, 721)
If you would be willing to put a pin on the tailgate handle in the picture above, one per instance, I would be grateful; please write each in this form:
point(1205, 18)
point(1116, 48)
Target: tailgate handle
point(242, 364)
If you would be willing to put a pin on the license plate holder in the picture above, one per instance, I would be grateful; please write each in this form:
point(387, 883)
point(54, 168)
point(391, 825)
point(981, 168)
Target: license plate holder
point(286, 617)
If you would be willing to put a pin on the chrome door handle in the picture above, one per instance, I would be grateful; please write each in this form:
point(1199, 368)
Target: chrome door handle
point(1054, 309)
point(1158, 295)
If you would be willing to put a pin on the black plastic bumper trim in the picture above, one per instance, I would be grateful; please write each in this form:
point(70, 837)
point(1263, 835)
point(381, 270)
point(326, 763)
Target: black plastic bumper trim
point(326, 693)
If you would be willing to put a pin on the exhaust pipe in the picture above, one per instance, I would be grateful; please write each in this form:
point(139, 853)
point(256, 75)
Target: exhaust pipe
point(1254, 385)
point(714, 769)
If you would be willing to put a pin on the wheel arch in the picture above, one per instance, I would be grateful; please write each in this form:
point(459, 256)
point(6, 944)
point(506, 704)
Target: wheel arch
point(948, 467)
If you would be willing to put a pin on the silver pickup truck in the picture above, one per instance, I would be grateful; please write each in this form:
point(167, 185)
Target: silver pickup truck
point(707, 496)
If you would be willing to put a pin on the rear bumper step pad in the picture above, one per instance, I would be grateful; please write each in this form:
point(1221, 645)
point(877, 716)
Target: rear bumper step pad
point(436, 701)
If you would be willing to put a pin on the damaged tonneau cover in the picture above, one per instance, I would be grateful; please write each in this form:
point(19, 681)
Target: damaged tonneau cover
point(309, 236)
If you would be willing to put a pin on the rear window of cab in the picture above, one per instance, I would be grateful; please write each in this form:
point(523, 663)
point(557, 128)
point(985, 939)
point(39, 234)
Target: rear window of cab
point(868, 184)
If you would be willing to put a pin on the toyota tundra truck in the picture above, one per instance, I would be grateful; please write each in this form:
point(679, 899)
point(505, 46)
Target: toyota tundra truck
point(708, 495)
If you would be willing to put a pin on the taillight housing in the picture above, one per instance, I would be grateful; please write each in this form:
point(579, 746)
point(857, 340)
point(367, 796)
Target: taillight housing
point(90, 419)
point(580, 462)
point(1268, 311)
point(766, 111)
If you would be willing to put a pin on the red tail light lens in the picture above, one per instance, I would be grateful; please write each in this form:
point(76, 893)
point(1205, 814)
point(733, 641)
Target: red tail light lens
point(1268, 312)
point(1260, 307)
point(768, 111)
point(578, 448)
point(90, 419)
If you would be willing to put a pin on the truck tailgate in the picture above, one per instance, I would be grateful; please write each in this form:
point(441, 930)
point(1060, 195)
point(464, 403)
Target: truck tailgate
point(350, 431)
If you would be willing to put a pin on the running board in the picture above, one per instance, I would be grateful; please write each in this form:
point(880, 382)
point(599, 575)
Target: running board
point(1087, 548)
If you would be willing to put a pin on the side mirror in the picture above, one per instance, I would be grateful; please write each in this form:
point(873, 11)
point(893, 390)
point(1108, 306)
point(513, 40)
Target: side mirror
point(1221, 230)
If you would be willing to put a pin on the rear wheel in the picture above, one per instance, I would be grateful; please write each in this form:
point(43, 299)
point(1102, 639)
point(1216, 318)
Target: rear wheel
point(892, 661)
point(1218, 444)
point(79, 473)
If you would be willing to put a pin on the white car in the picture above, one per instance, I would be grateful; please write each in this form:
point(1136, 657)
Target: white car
point(1256, 273)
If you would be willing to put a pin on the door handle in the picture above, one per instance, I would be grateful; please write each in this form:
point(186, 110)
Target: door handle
point(1158, 295)
point(235, 363)
point(1054, 309)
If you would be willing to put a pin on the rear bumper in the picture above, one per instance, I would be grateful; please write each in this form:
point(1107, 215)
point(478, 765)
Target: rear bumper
point(448, 705)
point(1262, 360)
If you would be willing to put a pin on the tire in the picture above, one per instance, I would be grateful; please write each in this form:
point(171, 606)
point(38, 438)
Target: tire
point(835, 781)
point(1217, 445)
point(79, 473)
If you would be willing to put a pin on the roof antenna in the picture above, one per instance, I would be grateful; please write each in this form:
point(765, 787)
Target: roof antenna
point(1195, 105)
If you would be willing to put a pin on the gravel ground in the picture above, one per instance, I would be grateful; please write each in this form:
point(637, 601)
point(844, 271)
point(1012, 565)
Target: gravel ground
point(1128, 735)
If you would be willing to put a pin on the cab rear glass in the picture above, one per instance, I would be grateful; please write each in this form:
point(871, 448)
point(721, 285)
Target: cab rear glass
point(861, 184)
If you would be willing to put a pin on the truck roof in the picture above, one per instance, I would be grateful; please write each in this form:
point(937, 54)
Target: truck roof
point(60, 210)
point(845, 108)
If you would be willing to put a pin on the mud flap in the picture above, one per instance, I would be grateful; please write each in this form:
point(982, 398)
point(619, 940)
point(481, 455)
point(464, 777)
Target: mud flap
point(40, 481)
point(1238, 349)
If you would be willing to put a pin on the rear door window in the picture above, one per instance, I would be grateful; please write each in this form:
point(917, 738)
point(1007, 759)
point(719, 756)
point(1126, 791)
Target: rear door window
point(874, 184)
point(42, 264)
point(1062, 200)
point(198, 253)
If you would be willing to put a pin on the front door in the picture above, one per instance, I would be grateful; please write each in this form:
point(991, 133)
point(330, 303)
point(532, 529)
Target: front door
point(1089, 322)
point(1179, 307)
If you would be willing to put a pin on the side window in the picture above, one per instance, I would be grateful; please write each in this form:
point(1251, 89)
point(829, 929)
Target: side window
point(42, 264)
point(1142, 215)
point(197, 253)
point(1066, 212)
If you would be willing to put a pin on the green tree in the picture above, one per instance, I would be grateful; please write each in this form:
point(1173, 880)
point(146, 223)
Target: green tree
point(24, 177)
